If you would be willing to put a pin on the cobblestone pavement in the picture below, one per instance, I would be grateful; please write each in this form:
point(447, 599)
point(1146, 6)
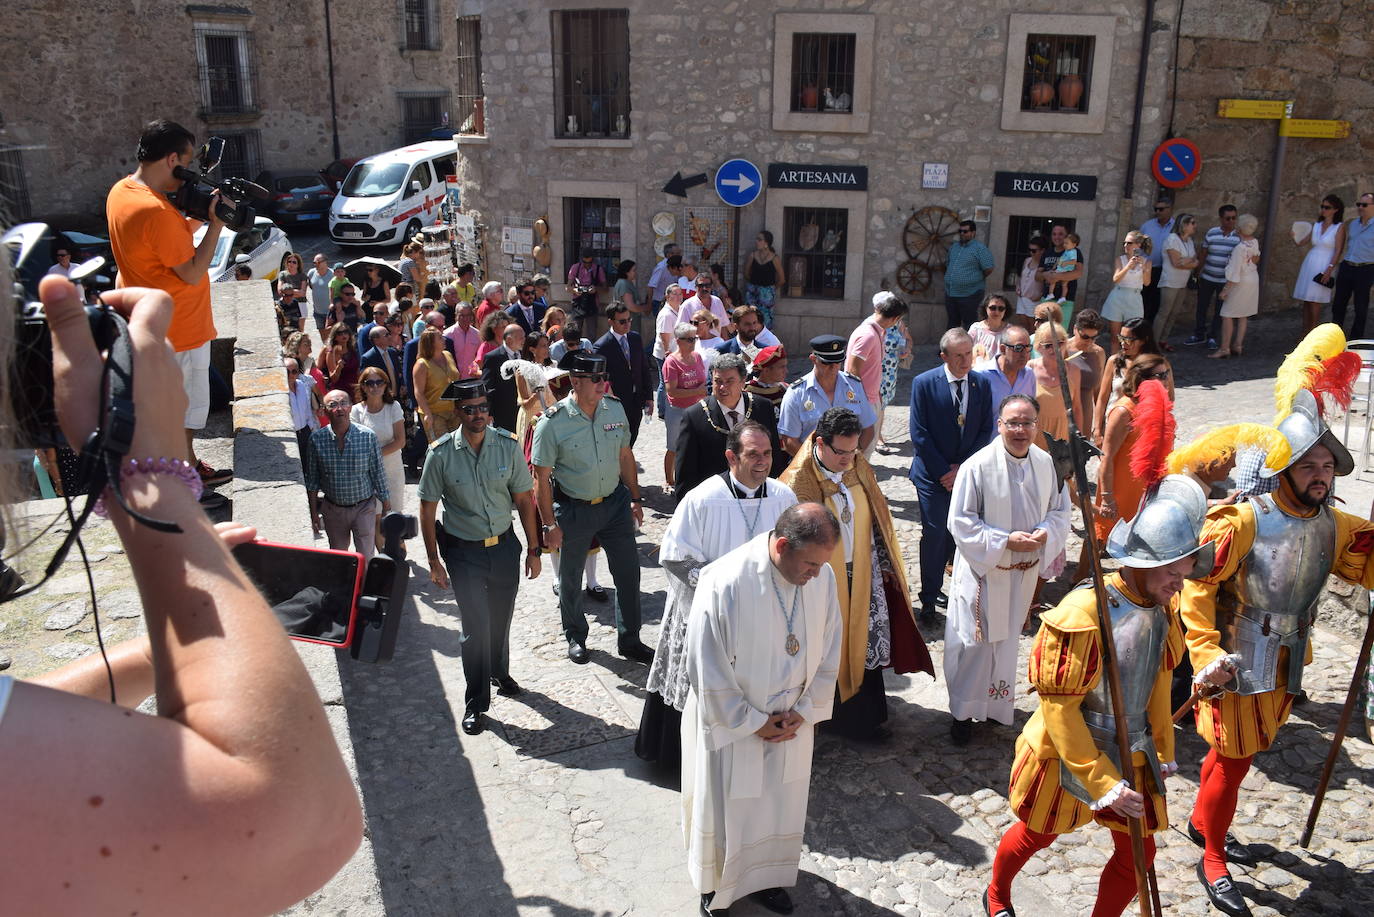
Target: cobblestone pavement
point(550, 812)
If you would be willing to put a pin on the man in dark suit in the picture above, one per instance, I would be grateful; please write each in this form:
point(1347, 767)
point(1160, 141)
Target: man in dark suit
point(951, 418)
point(525, 312)
point(701, 438)
point(501, 393)
point(632, 382)
point(382, 355)
point(380, 311)
point(412, 348)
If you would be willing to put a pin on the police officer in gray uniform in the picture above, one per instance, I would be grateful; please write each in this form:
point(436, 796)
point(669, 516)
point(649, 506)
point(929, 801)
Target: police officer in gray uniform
point(479, 473)
point(825, 387)
point(587, 487)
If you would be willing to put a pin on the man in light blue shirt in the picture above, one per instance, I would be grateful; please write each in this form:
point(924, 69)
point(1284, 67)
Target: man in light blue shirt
point(818, 391)
point(1357, 267)
point(966, 274)
point(1158, 229)
point(1009, 374)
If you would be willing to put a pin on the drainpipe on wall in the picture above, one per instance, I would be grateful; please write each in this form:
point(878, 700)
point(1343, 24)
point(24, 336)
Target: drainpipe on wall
point(329, 56)
point(1125, 213)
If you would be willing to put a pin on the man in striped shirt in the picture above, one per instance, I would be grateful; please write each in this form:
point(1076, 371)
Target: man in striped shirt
point(1216, 251)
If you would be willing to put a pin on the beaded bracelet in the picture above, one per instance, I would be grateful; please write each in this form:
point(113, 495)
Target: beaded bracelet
point(179, 468)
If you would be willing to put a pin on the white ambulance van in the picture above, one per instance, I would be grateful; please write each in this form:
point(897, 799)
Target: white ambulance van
point(387, 198)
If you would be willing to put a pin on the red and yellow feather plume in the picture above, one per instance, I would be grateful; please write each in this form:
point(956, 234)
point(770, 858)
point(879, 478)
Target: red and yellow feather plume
point(1216, 446)
point(1307, 365)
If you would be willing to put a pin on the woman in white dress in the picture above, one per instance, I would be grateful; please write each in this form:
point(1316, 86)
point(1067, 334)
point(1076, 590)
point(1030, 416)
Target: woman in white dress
point(1240, 296)
point(1327, 238)
point(379, 411)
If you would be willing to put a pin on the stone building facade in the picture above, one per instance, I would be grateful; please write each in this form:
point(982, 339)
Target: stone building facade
point(257, 72)
point(941, 95)
point(1317, 53)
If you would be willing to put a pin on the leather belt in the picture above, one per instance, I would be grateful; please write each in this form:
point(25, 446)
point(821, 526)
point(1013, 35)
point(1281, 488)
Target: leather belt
point(484, 543)
point(1021, 565)
point(346, 505)
point(571, 499)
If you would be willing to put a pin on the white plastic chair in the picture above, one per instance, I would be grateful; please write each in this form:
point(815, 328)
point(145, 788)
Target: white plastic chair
point(1363, 397)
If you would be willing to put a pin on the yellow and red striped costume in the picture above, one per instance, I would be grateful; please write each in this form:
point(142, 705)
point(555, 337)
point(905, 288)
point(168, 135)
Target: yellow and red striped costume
point(1066, 664)
point(1238, 726)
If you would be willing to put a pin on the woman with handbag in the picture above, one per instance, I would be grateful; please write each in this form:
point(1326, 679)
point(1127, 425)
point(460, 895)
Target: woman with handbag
point(1176, 275)
point(1317, 275)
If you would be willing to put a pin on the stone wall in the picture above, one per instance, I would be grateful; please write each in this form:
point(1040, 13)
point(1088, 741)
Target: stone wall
point(1317, 53)
point(703, 88)
point(108, 66)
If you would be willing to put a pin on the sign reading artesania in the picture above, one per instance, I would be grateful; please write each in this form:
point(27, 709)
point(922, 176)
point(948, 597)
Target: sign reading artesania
point(824, 178)
point(1038, 184)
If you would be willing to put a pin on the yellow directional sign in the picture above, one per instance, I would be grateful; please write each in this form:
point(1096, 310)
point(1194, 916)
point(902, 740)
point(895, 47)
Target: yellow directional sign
point(1252, 108)
point(1314, 127)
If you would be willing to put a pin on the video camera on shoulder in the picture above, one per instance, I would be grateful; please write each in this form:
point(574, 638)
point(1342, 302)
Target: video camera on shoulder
point(329, 597)
point(197, 189)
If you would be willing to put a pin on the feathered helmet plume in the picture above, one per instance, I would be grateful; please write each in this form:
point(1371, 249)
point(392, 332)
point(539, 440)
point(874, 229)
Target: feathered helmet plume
point(1320, 364)
point(1154, 423)
point(1215, 446)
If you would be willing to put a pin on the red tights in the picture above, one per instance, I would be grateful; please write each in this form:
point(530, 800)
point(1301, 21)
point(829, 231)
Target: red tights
point(1216, 807)
point(1115, 889)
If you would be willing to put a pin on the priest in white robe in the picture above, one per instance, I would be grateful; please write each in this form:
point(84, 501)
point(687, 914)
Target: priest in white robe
point(715, 517)
point(1009, 515)
point(763, 648)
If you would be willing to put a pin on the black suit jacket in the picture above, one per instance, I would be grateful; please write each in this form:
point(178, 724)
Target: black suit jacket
point(501, 393)
point(380, 358)
point(631, 382)
point(701, 441)
point(517, 315)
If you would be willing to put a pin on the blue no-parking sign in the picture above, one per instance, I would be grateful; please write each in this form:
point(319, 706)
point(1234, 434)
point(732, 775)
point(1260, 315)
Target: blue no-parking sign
point(1176, 162)
point(739, 182)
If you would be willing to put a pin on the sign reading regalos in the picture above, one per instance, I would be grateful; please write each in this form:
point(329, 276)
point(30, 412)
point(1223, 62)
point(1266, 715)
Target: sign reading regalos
point(1038, 184)
point(822, 178)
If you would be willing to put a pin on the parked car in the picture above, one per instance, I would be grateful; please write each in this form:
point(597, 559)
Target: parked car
point(298, 196)
point(41, 241)
point(335, 173)
point(263, 244)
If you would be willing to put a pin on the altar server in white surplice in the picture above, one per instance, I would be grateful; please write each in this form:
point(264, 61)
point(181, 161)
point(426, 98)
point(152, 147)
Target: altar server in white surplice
point(715, 517)
point(1009, 516)
point(763, 648)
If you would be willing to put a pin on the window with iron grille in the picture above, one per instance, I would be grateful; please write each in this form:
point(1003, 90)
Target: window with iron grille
point(814, 250)
point(591, 52)
point(592, 225)
point(422, 113)
point(14, 186)
point(418, 22)
point(242, 156)
point(227, 70)
point(1058, 72)
point(1020, 230)
point(469, 115)
point(823, 72)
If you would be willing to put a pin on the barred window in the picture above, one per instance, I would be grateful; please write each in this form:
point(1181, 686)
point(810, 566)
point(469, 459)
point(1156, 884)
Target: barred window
point(242, 156)
point(592, 226)
point(1058, 72)
point(227, 70)
point(814, 248)
point(1020, 230)
point(418, 21)
point(470, 115)
point(591, 52)
point(422, 113)
point(823, 72)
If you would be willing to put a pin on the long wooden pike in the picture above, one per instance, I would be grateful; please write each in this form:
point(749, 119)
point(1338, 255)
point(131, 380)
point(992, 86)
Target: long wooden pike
point(1080, 450)
point(1351, 696)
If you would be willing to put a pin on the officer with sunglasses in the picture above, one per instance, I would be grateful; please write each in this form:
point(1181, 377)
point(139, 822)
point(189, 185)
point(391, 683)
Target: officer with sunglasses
point(587, 487)
point(479, 473)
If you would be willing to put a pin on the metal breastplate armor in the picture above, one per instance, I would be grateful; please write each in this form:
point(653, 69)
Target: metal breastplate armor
point(1271, 602)
point(1139, 633)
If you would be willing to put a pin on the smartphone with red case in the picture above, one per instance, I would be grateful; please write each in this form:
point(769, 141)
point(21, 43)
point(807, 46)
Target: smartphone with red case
point(313, 591)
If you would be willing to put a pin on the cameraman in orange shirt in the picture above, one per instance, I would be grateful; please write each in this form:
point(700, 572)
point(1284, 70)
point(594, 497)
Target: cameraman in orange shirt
point(154, 246)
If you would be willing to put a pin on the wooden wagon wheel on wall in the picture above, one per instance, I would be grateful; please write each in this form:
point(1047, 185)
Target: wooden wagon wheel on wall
point(928, 234)
point(913, 277)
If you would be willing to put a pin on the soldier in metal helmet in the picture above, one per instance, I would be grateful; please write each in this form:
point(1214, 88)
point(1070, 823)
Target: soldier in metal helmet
point(1067, 769)
point(1273, 554)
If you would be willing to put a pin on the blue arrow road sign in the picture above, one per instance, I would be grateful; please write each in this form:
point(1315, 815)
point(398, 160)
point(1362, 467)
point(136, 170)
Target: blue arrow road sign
point(739, 182)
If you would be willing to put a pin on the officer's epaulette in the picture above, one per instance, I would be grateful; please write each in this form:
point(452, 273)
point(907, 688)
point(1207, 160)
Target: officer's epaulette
point(610, 396)
point(849, 374)
point(506, 433)
point(443, 439)
point(553, 409)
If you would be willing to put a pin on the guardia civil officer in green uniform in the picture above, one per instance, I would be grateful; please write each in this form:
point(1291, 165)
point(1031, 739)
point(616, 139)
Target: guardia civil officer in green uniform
point(586, 486)
point(479, 473)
